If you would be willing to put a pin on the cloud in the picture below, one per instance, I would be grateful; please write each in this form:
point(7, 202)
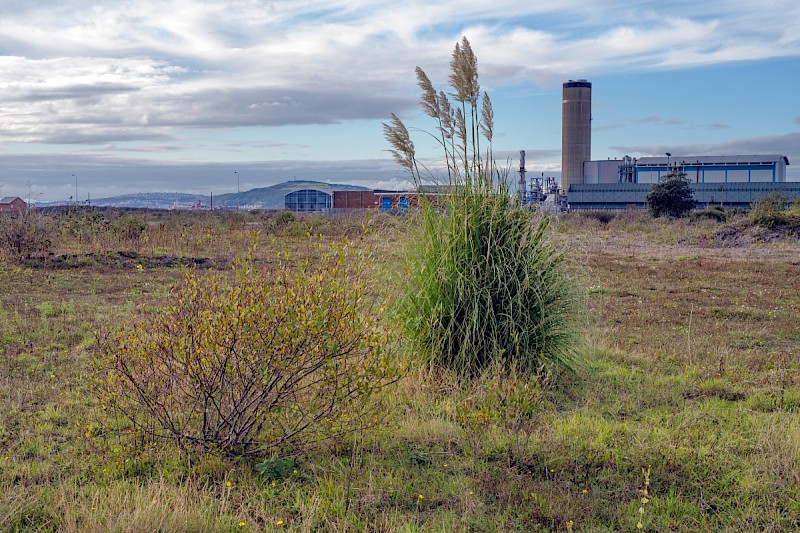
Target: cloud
point(650, 118)
point(608, 127)
point(162, 77)
point(105, 175)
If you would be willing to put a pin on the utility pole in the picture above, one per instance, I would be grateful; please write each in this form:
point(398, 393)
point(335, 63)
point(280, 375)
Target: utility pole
point(76, 188)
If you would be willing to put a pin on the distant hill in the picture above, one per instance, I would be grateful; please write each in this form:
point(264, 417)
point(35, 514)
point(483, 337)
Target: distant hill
point(272, 197)
point(262, 198)
point(152, 200)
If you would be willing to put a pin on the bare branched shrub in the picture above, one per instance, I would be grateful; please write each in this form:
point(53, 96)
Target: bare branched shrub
point(25, 233)
point(242, 366)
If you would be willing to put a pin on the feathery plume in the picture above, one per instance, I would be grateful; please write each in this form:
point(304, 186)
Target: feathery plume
point(461, 126)
point(464, 73)
point(398, 137)
point(447, 114)
point(487, 117)
point(428, 100)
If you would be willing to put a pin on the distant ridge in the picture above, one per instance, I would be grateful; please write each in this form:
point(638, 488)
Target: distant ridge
point(272, 197)
point(261, 198)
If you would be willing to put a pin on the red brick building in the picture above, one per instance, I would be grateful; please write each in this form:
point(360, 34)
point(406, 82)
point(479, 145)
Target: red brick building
point(12, 203)
point(386, 200)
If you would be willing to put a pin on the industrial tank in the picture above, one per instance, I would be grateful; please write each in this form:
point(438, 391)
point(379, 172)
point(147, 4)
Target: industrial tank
point(576, 131)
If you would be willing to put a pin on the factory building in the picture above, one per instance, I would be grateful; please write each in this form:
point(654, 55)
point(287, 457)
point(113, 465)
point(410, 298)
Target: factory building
point(770, 168)
point(625, 195)
point(735, 180)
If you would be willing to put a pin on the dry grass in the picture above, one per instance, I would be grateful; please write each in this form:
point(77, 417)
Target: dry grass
point(691, 369)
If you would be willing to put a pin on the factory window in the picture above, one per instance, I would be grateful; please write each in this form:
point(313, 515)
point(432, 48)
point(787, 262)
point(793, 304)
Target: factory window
point(307, 200)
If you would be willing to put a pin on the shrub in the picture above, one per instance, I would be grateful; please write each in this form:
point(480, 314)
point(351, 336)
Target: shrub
point(770, 211)
point(714, 213)
point(244, 366)
point(485, 280)
point(25, 233)
point(671, 196)
point(129, 227)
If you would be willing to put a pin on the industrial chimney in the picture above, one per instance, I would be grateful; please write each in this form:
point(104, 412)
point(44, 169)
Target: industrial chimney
point(576, 131)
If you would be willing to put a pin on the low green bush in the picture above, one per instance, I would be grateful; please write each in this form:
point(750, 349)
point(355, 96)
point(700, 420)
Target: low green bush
point(772, 210)
point(713, 213)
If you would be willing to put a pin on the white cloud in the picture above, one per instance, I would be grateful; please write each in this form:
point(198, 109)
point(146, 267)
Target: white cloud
point(103, 73)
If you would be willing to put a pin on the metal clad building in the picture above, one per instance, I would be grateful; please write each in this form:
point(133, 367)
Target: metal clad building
point(766, 168)
point(576, 131)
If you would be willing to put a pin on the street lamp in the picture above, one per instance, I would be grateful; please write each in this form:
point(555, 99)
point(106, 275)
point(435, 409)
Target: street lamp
point(76, 187)
point(668, 156)
point(237, 189)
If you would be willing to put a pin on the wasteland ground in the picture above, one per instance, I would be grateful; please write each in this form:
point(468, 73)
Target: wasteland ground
point(689, 371)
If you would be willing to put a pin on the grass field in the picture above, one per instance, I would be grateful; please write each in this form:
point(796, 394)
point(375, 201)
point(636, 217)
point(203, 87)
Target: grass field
point(683, 415)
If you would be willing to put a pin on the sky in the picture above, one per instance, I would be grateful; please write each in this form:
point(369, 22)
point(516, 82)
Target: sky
point(106, 98)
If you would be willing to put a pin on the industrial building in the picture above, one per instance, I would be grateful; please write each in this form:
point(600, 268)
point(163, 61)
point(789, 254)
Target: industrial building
point(698, 169)
point(317, 200)
point(307, 200)
point(734, 180)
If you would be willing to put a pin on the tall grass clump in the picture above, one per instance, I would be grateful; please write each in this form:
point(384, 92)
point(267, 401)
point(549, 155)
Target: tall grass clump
point(485, 281)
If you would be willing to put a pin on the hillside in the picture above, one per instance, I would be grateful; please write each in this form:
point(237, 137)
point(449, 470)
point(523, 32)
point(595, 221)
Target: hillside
point(261, 198)
point(272, 197)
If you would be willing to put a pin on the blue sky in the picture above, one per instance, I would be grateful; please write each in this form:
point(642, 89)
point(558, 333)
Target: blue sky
point(181, 96)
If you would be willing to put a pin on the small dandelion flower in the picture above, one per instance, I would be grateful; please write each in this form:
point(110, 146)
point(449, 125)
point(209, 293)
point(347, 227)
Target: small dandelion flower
point(295, 471)
point(471, 493)
point(279, 523)
point(421, 497)
point(227, 483)
point(584, 491)
point(241, 523)
point(445, 465)
point(273, 484)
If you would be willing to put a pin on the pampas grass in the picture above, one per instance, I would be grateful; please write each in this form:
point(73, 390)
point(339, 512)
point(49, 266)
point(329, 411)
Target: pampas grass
point(485, 281)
